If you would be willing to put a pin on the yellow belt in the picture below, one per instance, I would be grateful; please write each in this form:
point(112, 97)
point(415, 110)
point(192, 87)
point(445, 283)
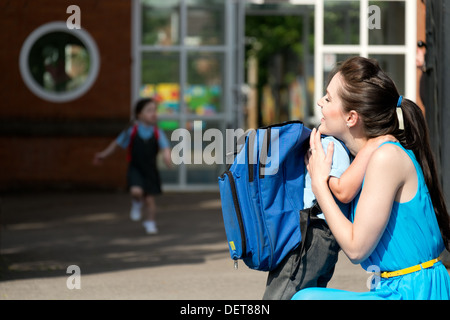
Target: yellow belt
point(415, 268)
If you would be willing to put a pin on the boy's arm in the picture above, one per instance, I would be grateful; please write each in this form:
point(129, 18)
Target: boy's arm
point(100, 156)
point(167, 158)
point(164, 146)
point(348, 185)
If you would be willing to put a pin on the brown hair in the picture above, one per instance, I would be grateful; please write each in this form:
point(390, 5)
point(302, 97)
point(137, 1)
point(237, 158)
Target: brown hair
point(140, 104)
point(368, 90)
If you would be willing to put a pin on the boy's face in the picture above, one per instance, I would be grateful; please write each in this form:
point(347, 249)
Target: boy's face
point(333, 121)
point(148, 114)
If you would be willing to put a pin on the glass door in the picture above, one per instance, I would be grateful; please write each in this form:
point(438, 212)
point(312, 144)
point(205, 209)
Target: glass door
point(186, 55)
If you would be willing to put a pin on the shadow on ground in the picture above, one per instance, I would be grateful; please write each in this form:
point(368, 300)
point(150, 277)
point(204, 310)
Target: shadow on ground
point(41, 235)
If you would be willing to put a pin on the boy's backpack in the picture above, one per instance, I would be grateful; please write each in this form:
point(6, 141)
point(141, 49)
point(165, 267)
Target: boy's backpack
point(133, 134)
point(262, 195)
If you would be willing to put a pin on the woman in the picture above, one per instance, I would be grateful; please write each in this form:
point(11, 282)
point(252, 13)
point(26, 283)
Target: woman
point(400, 225)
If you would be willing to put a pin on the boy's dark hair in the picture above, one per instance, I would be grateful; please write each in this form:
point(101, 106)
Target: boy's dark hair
point(140, 104)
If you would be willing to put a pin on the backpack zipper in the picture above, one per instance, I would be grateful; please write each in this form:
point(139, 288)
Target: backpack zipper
point(264, 152)
point(238, 211)
point(250, 141)
point(249, 163)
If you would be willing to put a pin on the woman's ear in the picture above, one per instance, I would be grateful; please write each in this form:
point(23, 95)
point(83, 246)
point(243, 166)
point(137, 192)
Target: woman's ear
point(352, 118)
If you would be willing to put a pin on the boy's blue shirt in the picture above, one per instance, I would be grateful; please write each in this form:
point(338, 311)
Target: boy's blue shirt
point(145, 132)
point(341, 161)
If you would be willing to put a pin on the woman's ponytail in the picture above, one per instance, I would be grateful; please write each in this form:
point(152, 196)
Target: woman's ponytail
point(416, 138)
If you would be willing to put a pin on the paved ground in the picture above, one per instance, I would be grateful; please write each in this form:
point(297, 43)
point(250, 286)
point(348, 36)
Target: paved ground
point(43, 234)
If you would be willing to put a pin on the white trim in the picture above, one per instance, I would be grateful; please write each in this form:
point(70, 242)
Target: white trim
point(341, 49)
point(59, 97)
point(380, 49)
point(371, 49)
point(318, 59)
point(363, 28)
point(303, 2)
point(410, 46)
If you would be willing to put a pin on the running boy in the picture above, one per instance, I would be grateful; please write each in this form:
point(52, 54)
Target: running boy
point(143, 140)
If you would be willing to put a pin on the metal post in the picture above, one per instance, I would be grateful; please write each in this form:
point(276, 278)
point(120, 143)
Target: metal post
point(437, 95)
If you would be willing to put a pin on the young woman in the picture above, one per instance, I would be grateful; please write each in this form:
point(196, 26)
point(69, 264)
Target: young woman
point(400, 225)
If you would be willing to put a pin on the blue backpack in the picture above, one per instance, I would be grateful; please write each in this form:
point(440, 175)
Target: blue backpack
point(262, 195)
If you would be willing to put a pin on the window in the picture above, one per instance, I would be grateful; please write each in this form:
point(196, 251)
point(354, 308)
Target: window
point(341, 20)
point(184, 56)
point(58, 64)
point(342, 30)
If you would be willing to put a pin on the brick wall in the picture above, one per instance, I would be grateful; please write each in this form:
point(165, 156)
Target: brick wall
point(52, 163)
point(45, 144)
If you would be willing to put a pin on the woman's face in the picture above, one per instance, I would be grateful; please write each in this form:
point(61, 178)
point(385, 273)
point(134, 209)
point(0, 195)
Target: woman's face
point(148, 114)
point(333, 121)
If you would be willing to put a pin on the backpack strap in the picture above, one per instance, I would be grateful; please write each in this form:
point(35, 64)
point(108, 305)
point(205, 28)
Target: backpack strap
point(305, 216)
point(130, 145)
point(156, 132)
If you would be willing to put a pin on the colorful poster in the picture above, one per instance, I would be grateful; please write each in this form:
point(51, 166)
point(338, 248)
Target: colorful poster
point(200, 100)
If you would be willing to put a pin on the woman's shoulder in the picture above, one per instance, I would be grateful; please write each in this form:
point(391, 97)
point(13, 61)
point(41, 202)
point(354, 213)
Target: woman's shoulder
point(395, 166)
point(391, 157)
point(388, 150)
point(387, 153)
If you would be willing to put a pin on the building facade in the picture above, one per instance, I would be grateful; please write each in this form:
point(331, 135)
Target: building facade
point(69, 89)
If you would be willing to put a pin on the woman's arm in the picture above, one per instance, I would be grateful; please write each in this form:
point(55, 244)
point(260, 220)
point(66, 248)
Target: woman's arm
point(383, 179)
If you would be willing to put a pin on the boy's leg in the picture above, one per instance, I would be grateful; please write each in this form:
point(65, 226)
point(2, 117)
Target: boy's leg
point(137, 195)
point(150, 208)
point(279, 280)
point(150, 214)
point(313, 268)
point(317, 267)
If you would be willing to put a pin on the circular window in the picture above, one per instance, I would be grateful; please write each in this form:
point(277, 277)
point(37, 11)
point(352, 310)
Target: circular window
point(59, 64)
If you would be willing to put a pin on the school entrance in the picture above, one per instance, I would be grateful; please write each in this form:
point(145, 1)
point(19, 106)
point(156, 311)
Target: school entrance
point(211, 63)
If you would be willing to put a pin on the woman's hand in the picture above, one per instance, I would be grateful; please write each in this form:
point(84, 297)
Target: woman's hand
point(319, 163)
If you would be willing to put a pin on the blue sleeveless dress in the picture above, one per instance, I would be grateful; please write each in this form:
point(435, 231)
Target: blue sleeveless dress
point(411, 237)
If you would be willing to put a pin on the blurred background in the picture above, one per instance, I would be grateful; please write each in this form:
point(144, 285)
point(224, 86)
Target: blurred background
point(232, 64)
point(66, 94)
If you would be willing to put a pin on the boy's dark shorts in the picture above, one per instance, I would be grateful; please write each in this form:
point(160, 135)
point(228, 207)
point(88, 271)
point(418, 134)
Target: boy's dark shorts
point(148, 181)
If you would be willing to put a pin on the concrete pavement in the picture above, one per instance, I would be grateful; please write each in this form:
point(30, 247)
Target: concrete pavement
point(43, 234)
